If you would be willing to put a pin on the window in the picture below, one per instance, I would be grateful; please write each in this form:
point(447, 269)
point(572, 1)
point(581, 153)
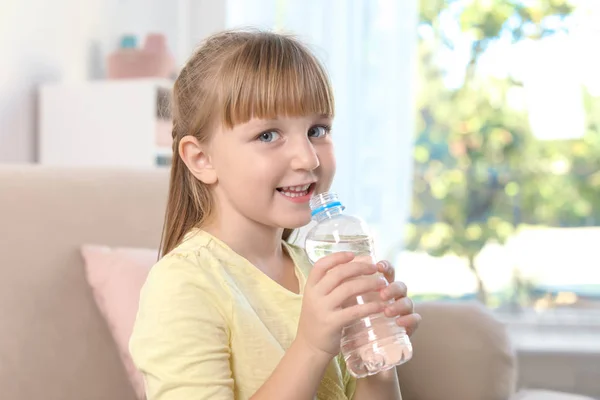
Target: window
point(506, 187)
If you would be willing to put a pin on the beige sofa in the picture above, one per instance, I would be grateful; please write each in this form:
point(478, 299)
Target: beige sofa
point(54, 344)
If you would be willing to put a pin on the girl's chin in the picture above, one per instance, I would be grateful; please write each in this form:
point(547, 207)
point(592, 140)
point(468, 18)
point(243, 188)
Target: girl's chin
point(297, 223)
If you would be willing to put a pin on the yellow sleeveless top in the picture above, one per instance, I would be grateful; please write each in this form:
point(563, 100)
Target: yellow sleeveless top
point(211, 325)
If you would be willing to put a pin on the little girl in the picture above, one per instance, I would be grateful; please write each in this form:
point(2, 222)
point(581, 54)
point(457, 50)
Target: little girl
point(231, 310)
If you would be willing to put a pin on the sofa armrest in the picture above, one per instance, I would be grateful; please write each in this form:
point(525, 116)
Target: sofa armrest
point(461, 351)
point(547, 395)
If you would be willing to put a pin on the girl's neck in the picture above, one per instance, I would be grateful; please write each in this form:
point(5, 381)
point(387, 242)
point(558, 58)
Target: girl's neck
point(259, 244)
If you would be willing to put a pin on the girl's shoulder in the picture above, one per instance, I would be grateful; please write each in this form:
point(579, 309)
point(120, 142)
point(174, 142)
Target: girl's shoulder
point(194, 263)
point(194, 251)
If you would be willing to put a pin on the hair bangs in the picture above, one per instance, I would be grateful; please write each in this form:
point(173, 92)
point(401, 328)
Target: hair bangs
point(272, 77)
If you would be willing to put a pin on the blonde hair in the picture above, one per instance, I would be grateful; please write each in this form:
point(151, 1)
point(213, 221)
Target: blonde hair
point(232, 77)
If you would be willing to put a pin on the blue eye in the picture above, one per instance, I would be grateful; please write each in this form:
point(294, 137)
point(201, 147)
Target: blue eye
point(268, 137)
point(318, 131)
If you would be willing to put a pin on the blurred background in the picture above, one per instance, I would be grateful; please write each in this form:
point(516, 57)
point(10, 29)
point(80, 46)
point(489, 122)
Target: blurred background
point(467, 131)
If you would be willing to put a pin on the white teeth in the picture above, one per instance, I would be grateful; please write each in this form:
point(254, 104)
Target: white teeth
point(302, 188)
point(295, 191)
point(294, 194)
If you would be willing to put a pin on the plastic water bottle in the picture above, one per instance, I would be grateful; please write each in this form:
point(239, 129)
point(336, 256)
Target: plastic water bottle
point(375, 343)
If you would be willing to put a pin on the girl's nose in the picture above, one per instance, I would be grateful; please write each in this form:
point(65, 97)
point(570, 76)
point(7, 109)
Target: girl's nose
point(305, 157)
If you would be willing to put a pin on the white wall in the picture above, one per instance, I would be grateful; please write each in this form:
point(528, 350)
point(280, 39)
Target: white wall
point(40, 41)
point(67, 40)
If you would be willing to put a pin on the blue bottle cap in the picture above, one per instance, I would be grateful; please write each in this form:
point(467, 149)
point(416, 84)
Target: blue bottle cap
point(324, 201)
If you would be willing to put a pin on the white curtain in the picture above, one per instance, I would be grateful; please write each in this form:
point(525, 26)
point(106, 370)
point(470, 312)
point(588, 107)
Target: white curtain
point(369, 50)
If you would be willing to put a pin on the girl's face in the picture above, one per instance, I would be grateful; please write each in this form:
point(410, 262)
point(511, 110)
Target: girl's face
point(267, 170)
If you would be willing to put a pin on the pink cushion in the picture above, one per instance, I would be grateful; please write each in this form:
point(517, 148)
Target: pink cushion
point(116, 276)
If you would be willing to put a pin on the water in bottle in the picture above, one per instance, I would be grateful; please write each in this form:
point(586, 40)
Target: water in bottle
point(375, 343)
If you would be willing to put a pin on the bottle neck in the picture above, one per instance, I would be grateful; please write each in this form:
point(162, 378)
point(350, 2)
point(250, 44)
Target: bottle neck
point(328, 212)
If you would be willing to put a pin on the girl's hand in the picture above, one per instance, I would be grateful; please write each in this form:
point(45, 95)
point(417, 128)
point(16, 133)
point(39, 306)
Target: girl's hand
point(403, 307)
point(332, 281)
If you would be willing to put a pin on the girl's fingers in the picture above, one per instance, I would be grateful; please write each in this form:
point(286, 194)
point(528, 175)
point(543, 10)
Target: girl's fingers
point(349, 315)
point(395, 290)
point(325, 264)
point(339, 274)
point(387, 269)
point(400, 307)
point(353, 288)
point(409, 322)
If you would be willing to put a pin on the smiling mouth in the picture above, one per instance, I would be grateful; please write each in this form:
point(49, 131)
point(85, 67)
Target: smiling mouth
point(296, 191)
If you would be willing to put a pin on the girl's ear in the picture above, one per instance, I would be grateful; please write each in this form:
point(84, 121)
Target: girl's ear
point(197, 159)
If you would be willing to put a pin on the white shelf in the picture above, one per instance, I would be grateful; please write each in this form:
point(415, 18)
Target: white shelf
point(105, 123)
